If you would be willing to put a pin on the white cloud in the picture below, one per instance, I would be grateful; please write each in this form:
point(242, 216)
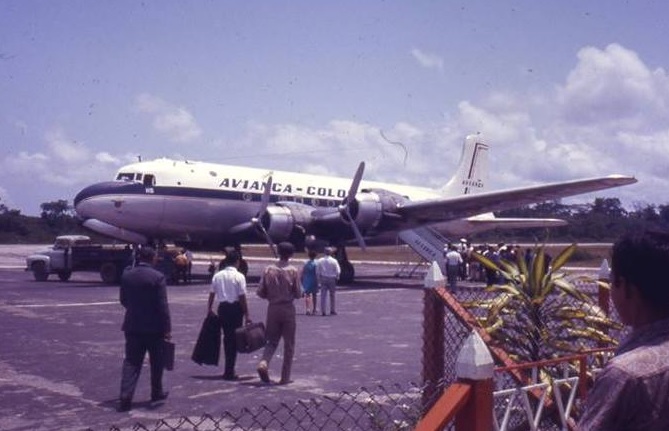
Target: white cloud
point(5, 198)
point(63, 162)
point(106, 158)
point(176, 123)
point(609, 116)
point(614, 85)
point(64, 148)
point(428, 60)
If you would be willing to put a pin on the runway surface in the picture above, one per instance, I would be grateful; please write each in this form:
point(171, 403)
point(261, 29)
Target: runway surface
point(62, 349)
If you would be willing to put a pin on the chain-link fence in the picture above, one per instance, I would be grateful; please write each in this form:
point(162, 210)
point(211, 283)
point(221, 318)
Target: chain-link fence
point(381, 408)
point(393, 407)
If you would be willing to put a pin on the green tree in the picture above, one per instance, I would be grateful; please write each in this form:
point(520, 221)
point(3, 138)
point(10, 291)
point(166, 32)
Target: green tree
point(59, 216)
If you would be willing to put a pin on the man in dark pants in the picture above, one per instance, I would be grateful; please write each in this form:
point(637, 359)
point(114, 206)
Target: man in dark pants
point(146, 325)
point(228, 287)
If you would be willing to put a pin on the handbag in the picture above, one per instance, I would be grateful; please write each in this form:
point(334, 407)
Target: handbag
point(208, 346)
point(250, 337)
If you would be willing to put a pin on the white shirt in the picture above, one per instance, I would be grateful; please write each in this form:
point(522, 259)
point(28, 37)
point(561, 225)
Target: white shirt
point(453, 258)
point(327, 267)
point(228, 284)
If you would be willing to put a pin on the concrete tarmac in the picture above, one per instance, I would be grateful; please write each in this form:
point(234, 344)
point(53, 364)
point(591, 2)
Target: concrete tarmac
point(62, 348)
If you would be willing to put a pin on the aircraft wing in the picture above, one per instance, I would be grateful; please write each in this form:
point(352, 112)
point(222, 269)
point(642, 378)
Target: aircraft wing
point(451, 208)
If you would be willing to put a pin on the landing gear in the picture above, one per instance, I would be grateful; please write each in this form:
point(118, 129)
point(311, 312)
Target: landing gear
point(347, 271)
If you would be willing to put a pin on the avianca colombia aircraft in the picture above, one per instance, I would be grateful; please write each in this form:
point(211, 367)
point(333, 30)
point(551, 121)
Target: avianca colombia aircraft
point(207, 206)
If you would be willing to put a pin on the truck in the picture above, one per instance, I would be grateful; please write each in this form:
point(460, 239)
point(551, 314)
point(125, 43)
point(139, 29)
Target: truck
point(70, 253)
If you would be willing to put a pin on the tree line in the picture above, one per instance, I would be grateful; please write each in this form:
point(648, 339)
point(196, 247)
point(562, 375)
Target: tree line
point(603, 220)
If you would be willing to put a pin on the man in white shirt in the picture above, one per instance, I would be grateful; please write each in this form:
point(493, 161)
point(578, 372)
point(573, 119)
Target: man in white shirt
point(453, 264)
point(228, 287)
point(327, 273)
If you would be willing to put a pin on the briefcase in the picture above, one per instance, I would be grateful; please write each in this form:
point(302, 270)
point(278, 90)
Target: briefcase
point(168, 355)
point(250, 337)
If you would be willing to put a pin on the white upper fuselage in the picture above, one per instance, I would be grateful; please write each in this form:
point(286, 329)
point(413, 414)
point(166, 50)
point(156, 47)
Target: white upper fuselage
point(316, 190)
point(191, 200)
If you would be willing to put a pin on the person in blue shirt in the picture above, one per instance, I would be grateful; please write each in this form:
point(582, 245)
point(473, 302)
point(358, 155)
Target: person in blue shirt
point(310, 284)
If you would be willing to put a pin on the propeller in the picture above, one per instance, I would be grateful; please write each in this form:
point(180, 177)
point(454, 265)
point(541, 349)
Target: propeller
point(255, 221)
point(345, 206)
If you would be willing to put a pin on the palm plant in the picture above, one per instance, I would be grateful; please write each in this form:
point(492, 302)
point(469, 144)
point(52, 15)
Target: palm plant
point(538, 312)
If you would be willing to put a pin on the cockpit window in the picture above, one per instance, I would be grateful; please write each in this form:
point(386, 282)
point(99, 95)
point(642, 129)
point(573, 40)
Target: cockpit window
point(125, 176)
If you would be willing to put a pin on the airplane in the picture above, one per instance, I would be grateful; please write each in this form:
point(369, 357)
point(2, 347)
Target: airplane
point(209, 206)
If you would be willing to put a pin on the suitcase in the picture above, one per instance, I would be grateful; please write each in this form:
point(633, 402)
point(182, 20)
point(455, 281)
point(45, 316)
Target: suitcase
point(250, 337)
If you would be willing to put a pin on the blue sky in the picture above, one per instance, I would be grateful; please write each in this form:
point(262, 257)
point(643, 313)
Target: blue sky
point(560, 89)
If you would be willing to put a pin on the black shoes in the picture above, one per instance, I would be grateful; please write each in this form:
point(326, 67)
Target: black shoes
point(230, 377)
point(159, 397)
point(124, 405)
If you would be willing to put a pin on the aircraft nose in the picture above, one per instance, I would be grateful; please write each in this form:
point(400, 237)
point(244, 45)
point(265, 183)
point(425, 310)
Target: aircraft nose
point(103, 189)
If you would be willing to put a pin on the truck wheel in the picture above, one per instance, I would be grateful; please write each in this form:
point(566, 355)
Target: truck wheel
point(109, 273)
point(64, 275)
point(39, 271)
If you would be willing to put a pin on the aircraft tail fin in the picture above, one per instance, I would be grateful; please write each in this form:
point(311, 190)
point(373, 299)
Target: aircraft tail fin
point(471, 175)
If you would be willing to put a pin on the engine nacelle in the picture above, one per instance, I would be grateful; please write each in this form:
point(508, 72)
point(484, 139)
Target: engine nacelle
point(366, 210)
point(291, 221)
point(283, 220)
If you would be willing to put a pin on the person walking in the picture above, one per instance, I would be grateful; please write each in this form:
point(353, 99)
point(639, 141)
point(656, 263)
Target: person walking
point(453, 264)
point(280, 286)
point(228, 288)
point(146, 325)
point(327, 273)
point(310, 284)
point(630, 393)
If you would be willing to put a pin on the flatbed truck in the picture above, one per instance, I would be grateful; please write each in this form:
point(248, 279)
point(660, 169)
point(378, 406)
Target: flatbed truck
point(71, 253)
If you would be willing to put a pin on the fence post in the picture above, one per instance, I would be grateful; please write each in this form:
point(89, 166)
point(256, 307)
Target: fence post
point(603, 294)
point(433, 335)
point(475, 366)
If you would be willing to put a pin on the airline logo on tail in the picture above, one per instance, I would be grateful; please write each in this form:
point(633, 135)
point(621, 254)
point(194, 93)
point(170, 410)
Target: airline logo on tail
point(475, 177)
point(472, 172)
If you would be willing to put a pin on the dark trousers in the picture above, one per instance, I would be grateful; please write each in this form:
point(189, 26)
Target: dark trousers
point(231, 317)
point(136, 346)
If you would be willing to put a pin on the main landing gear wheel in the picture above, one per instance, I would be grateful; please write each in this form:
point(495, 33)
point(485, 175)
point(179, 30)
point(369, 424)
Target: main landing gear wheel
point(347, 273)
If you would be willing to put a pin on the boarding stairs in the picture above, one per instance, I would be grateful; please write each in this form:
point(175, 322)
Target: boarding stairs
point(428, 244)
